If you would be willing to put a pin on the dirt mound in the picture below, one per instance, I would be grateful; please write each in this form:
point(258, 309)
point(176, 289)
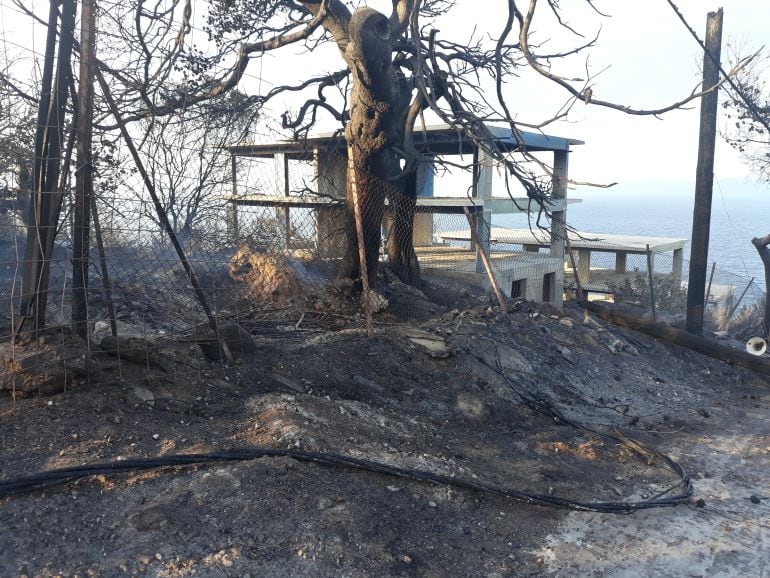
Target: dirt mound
point(268, 276)
point(458, 395)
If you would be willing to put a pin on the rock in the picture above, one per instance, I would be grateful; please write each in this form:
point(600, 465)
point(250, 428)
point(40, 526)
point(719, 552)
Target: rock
point(144, 394)
point(589, 321)
point(630, 349)
point(151, 517)
point(103, 328)
point(615, 345)
point(567, 354)
point(432, 344)
point(471, 406)
point(46, 368)
point(510, 359)
point(549, 309)
point(240, 342)
point(566, 322)
point(133, 349)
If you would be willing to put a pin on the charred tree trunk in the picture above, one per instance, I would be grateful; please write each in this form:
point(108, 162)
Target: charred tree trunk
point(402, 259)
point(371, 202)
point(764, 254)
point(370, 132)
point(376, 134)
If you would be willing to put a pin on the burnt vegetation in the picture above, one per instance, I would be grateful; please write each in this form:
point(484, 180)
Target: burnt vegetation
point(393, 70)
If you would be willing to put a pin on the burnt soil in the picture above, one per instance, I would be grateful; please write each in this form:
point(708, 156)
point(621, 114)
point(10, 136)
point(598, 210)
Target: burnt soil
point(317, 386)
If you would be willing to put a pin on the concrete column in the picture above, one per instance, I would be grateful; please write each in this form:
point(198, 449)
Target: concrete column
point(483, 168)
point(330, 167)
point(559, 218)
point(678, 263)
point(282, 215)
point(620, 261)
point(232, 206)
point(423, 222)
point(584, 265)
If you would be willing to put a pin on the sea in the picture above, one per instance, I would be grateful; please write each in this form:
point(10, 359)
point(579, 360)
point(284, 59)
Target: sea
point(740, 211)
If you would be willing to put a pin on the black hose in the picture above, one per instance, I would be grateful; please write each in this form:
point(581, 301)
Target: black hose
point(63, 475)
point(539, 404)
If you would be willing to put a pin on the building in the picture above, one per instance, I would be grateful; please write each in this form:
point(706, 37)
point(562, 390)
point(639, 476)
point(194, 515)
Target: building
point(536, 276)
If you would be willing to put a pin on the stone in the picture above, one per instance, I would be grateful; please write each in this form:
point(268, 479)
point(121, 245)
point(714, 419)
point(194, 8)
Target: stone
point(240, 343)
point(144, 394)
point(47, 368)
point(510, 358)
point(432, 344)
point(567, 354)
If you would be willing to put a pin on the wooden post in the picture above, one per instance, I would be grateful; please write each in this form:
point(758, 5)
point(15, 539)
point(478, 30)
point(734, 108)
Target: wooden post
point(363, 269)
point(651, 279)
point(698, 343)
point(711, 278)
point(483, 171)
point(704, 180)
point(578, 286)
point(485, 260)
point(764, 254)
point(737, 303)
point(106, 284)
point(481, 224)
point(83, 173)
point(161, 212)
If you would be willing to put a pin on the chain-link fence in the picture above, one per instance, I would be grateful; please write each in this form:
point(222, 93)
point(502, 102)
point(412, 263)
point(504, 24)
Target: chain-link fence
point(733, 302)
point(277, 249)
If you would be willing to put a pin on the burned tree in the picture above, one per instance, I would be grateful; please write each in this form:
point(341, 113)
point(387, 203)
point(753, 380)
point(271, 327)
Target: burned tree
point(747, 108)
point(394, 69)
point(185, 155)
point(748, 132)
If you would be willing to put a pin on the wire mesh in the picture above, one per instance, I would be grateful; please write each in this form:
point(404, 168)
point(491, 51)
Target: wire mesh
point(733, 302)
point(274, 247)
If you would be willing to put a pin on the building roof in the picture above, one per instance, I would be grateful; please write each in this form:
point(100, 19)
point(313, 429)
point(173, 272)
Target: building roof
point(438, 139)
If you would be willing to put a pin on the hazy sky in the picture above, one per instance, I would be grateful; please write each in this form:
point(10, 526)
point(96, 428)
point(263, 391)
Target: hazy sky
point(647, 59)
point(646, 56)
point(653, 60)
